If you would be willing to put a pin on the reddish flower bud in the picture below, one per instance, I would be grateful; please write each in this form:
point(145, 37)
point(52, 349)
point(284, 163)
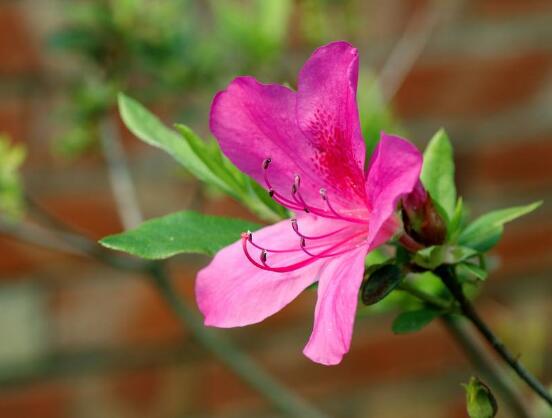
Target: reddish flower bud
point(422, 221)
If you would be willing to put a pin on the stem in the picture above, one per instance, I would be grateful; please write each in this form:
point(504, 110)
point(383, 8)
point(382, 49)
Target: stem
point(409, 47)
point(448, 276)
point(480, 358)
point(122, 185)
point(476, 353)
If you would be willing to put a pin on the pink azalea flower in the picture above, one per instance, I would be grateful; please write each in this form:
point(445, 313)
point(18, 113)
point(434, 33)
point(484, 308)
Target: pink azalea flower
point(306, 148)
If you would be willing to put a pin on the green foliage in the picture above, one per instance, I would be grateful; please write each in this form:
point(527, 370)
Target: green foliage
point(412, 321)
point(380, 283)
point(259, 29)
point(432, 257)
point(473, 270)
point(480, 402)
point(203, 160)
point(11, 192)
point(181, 232)
point(438, 173)
point(375, 116)
point(485, 232)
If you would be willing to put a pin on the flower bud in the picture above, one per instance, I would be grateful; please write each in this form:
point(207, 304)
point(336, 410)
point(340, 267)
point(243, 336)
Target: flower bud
point(422, 221)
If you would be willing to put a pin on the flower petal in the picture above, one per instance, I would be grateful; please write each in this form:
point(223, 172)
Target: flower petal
point(393, 171)
point(232, 292)
point(328, 116)
point(339, 283)
point(254, 121)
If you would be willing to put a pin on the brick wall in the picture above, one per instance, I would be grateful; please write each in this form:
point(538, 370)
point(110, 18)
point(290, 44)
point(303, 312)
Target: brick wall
point(103, 344)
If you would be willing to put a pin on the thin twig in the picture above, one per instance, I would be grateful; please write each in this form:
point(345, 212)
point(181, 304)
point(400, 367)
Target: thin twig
point(487, 366)
point(448, 276)
point(122, 185)
point(476, 353)
point(408, 49)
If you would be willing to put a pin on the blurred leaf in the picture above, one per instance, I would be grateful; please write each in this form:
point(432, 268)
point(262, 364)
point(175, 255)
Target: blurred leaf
point(375, 117)
point(434, 256)
point(483, 233)
point(438, 173)
point(480, 401)
point(147, 127)
point(412, 321)
point(474, 270)
point(11, 190)
point(181, 232)
point(380, 283)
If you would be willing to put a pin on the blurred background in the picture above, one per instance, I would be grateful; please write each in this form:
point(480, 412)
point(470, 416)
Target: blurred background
point(78, 339)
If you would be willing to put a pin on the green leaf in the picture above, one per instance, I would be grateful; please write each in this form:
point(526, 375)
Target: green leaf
point(380, 283)
point(474, 270)
point(203, 160)
point(457, 220)
point(181, 232)
point(483, 233)
point(480, 402)
point(438, 173)
point(412, 321)
point(147, 127)
point(12, 157)
point(432, 257)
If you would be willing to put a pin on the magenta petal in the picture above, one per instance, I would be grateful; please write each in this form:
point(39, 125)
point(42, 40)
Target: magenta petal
point(254, 121)
point(393, 171)
point(232, 292)
point(328, 116)
point(338, 287)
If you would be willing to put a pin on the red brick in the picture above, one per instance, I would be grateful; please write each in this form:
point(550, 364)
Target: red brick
point(507, 8)
point(14, 118)
point(36, 401)
point(472, 86)
point(517, 162)
point(139, 390)
point(18, 51)
point(18, 258)
point(151, 320)
point(95, 214)
point(526, 247)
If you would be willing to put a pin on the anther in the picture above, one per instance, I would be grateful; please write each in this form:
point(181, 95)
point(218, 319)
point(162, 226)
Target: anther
point(323, 193)
point(303, 242)
point(263, 256)
point(266, 163)
point(271, 192)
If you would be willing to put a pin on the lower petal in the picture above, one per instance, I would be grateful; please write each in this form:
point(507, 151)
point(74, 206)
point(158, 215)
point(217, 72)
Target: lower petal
point(232, 292)
point(339, 283)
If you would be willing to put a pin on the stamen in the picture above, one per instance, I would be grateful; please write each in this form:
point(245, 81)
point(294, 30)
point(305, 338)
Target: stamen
point(303, 263)
point(249, 237)
point(295, 227)
point(273, 193)
point(324, 195)
point(298, 203)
